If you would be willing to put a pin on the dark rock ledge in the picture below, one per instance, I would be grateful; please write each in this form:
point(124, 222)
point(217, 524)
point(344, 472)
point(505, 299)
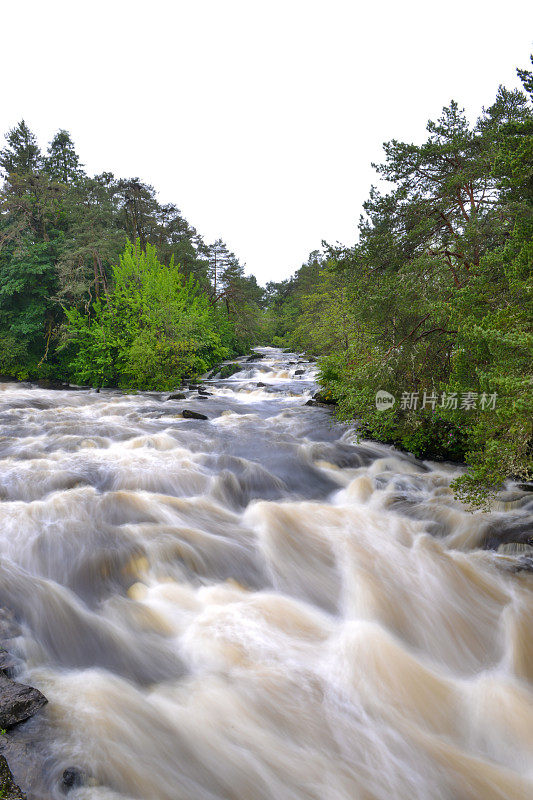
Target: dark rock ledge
point(18, 703)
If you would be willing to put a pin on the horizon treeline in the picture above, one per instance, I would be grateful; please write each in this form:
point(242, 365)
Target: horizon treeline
point(63, 236)
point(433, 303)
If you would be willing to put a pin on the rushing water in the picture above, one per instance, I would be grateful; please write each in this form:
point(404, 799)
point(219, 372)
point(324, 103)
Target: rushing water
point(256, 607)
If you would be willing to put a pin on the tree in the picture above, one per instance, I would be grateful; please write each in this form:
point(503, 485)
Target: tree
point(434, 299)
point(92, 240)
point(62, 162)
point(151, 329)
point(30, 240)
point(219, 259)
point(22, 154)
point(137, 209)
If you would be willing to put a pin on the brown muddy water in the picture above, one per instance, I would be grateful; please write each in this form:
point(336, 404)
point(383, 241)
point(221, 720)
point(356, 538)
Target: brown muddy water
point(256, 606)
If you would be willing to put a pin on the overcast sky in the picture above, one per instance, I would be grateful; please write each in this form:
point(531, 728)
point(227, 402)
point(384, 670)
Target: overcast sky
point(258, 119)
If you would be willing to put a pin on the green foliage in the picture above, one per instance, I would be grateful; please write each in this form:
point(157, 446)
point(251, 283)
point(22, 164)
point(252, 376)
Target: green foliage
point(435, 297)
point(62, 162)
point(61, 232)
point(152, 328)
point(227, 370)
point(21, 155)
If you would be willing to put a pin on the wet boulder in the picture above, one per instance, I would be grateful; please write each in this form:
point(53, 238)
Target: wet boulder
point(507, 529)
point(188, 414)
point(227, 370)
point(325, 399)
point(176, 396)
point(8, 788)
point(72, 778)
point(17, 701)
point(299, 372)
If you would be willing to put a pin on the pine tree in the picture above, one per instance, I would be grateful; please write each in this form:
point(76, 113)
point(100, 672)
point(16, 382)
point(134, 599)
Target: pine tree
point(22, 154)
point(62, 162)
point(219, 260)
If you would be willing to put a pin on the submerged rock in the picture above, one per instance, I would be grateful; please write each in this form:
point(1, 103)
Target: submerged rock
point(8, 662)
point(516, 549)
point(46, 383)
point(507, 529)
point(17, 701)
point(188, 414)
point(8, 788)
point(72, 778)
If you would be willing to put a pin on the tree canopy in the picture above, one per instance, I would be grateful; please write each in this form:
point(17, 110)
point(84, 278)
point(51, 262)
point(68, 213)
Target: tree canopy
point(433, 303)
point(63, 234)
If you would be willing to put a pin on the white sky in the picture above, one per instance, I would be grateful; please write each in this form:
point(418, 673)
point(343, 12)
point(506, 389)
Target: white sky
point(258, 119)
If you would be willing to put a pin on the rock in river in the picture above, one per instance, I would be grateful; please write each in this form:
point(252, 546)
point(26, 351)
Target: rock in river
point(72, 778)
point(17, 701)
point(188, 414)
point(325, 399)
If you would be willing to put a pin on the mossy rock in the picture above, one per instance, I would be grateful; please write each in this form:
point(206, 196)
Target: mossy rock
point(8, 788)
point(227, 370)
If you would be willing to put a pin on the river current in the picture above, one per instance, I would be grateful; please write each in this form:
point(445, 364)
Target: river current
point(257, 606)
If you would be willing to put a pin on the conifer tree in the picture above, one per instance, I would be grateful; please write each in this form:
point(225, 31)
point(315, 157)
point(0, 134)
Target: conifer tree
point(62, 162)
point(22, 154)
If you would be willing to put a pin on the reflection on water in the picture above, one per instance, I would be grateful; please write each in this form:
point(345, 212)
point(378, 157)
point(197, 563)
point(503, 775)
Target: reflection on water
point(254, 607)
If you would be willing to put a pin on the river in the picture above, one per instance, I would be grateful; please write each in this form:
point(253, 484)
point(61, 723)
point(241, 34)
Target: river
point(256, 606)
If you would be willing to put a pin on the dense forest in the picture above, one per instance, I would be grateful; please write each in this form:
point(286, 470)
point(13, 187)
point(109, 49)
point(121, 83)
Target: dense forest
point(433, 303)
point(101, 284)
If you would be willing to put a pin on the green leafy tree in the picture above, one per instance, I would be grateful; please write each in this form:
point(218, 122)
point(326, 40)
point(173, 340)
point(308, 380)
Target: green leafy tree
point(151, 329)
point(435, 298)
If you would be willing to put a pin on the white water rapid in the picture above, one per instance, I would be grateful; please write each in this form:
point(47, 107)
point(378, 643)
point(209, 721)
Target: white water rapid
point(255, 606)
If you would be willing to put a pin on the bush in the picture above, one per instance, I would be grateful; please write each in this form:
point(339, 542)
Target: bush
point(152, 329)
